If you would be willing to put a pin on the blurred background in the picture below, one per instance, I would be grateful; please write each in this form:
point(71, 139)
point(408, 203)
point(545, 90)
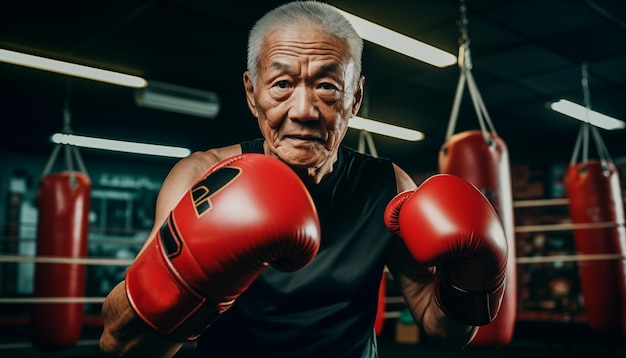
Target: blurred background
point(524, 56)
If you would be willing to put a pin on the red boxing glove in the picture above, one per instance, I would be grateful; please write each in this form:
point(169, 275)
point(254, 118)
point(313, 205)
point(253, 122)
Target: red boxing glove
point(245, 213)
point(448, 223)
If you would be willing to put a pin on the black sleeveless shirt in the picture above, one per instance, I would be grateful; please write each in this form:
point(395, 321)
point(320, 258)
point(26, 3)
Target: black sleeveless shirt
point(328, 308)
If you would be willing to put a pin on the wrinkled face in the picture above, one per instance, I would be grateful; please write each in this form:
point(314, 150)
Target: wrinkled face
point(305, 94)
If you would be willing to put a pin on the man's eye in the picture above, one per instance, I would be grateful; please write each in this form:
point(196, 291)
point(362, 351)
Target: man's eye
point(282, 84)
point(327, 86)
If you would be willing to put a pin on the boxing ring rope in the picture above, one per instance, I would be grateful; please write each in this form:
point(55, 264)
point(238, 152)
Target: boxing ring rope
point(391, 314)
point(82, 342)
point(94, 242)
point(570, 258)
point(127, 262)
point(566, 227)
point(86, 342)
point(27, 300)
point(59, 260)
point(120, 234)
point(518, 229)
point(562, 227)
point(540, 202)
point(390, 300)
point(66, 260)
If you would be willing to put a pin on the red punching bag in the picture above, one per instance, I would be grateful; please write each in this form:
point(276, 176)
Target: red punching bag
point(379, 323)
point(482, 159)
point(595, 202)
point(594, 193)
point(62, 227)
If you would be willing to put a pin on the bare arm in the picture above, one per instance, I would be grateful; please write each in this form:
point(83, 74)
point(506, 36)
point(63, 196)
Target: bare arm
point(416, 284)
point(125, 334)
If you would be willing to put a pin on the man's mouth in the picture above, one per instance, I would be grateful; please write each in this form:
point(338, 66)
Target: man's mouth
point(305, 137)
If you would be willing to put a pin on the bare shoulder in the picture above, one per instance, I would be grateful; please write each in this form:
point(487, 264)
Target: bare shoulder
point(189, 169)
point(184, 174)
point(403, 180)
point(197, 163)
point(208, 158)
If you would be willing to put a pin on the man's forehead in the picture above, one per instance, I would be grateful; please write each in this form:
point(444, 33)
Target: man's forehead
point(282, 64)
point(306, 40)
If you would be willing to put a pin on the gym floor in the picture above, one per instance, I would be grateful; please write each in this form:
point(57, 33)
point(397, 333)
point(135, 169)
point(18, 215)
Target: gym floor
point(534, 340)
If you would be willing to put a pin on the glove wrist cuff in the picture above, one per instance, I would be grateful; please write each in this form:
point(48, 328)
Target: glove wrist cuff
point(168, 304)
point(473, 308)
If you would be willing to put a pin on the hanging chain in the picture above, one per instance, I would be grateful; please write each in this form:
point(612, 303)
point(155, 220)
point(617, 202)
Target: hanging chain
point(66, 109)
point(585, 85)
point(462, 23)
point(464, 41)
point(69, 149)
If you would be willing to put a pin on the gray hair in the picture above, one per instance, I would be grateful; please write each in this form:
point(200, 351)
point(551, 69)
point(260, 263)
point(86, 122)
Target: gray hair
point(294, 14)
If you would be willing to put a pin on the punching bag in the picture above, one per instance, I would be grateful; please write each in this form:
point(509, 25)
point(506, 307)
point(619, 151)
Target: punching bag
point(63, 201)
point(379, 323)
point(594, 193)
point(482, 159)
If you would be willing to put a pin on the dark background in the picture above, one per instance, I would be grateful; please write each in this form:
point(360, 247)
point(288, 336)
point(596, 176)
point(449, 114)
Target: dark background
point(525, 54)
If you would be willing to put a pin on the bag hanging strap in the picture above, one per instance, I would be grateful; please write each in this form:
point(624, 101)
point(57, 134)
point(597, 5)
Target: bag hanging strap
point(71, 152)
point(465, 66)
point(583, 134)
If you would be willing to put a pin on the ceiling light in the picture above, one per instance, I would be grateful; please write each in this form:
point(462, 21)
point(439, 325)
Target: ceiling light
point(71, 69)
point(583, 114)
point(179, 99)
point(385, 129)
point(400, 43)
point(120, 146)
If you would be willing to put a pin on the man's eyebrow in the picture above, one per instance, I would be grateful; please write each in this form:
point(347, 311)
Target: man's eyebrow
point(327, 68)
point(277, 65)
point(331, 67)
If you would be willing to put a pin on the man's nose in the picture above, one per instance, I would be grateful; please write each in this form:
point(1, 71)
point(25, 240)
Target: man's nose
point(304, 104)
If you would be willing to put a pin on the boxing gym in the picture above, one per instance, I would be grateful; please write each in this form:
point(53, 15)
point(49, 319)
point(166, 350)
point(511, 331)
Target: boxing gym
point(522, 99)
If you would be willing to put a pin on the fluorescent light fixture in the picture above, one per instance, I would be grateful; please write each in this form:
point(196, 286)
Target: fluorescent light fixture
point(581, 113)
point(120, 146)
point(71, 69)
point(179, 99)
point(385, 129)
point(400, 43)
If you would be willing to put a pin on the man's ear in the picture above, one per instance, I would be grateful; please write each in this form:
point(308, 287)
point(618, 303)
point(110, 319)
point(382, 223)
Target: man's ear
point(358, 96)
point(249, 87)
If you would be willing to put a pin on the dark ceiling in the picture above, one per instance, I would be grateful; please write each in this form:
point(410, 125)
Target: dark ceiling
point(524, 53)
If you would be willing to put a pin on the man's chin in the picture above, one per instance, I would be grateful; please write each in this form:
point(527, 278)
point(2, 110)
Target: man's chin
point(302, 154)
point(302, 159)
point(301, 163)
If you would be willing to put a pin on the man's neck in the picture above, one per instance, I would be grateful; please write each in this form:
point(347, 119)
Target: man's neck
point(313, 175)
